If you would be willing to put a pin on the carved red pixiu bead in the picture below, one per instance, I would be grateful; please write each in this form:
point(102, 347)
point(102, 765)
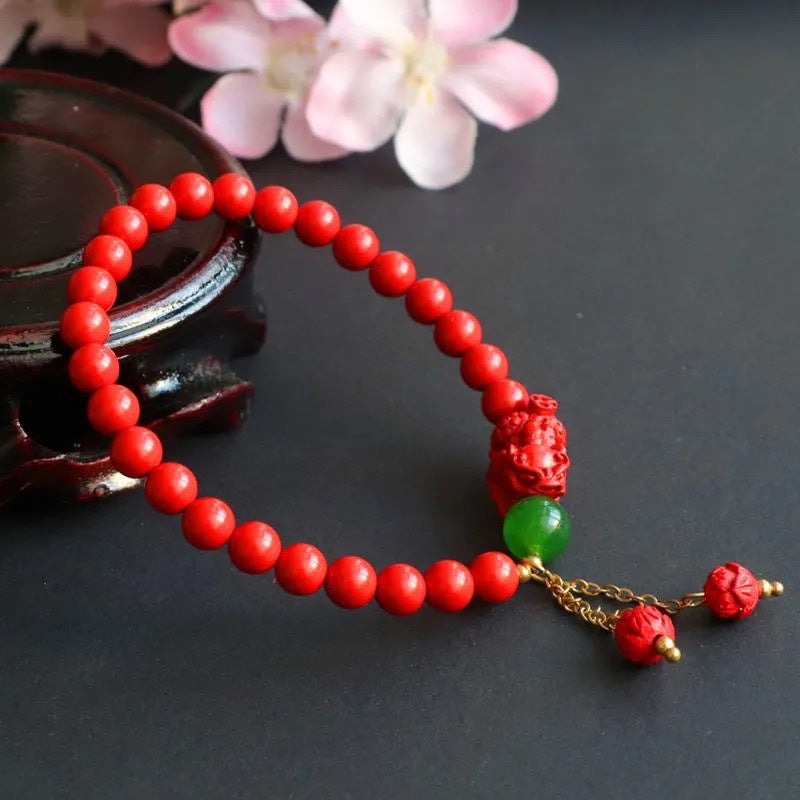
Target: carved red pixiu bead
point(731, 591)
point(637, 631)
point(528, 455)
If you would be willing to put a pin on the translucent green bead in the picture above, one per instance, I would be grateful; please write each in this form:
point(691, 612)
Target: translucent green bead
point(536, 526)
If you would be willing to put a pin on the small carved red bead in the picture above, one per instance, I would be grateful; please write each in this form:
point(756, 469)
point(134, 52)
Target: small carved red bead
point(392, 273)
point(731, 591)
point(456, 331)
point(135, 451)
point(351, 582)
point(449, 585)
point(355, 247)
point(208, 523)
point(483, 364)
point(84, 323)
point(112, 408)
point(92, 285)
point(427, 300)
point(636, 633)
point(92, 366)
point(496, 577)
point(254, 547)
point(301, 569)
point(401, 589)
point(194, 197)
point(317, 223)
point(275, 209)
point(503, 398)
point(170, 487)
point(127, 223)
point(157, 205)
point(234, 195)
point(111, 254)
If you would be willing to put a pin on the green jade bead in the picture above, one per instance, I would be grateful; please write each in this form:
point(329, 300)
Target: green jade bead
point(536, 526)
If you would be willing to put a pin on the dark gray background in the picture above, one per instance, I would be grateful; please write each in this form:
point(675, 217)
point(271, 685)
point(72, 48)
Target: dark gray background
point(636, 254)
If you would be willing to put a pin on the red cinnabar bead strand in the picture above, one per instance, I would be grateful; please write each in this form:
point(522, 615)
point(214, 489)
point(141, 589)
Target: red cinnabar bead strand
point(495, 576)
point(92, 366)
point(355, 247)
point(401, 589)
point(234, 196)
point(482, 365)
point(112, 409)
point(170, 488)
point(456, 331)
point(208, 523)
point(156, 204)
point(127, 223)
point(317, 223)
point(254, 547)
point(427, 300)
point(194, 197)
point(111, 254)
point(301, 569)
point(135, 451)
point(84, 323)
point(449, 585)
point(93, 285)
point(351, 582)
point(275, 209)
point(392, 274)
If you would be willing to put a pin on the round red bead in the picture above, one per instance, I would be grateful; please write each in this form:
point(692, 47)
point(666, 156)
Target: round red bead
point(392, 273)
point(157, 205)
point(234, 195)
point(449, 585)
point(254, 547)
point(111, 254)
point(355, 246)
point(194, 197)
point(127, 223)
point(92, 285)
point(208, 523)
point(495, 576)
point(503, 398)
point(170, 488)
point(317, 223)
point(84, 323)
point(135, 451)
point(275, 209)
point(456, 331)
point(301, 569)
point(483, 364)
point(401, 589)
point(428, 299)
point(351, 582)
point(636, 633)
point(112, 409)
point(731, 591)
point(92, 366)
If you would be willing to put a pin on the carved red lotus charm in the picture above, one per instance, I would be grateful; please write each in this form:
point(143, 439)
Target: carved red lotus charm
point(528, 454)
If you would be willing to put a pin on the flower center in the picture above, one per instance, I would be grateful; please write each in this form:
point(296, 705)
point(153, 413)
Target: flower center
point(425, 61)
point(292, 66)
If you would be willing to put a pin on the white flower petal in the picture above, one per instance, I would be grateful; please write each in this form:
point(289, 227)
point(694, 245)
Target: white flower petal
point(13, 21)
point(435, 144)
point(284, 9)
point(300, 141)
point(502, 82)
point(141, 33)
point(242, 115)
point(355, 100)
point(222, 37)
point(459, 22)
point(395, 22)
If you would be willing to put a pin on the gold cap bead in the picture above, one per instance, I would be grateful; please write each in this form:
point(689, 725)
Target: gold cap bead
point(665, 647)
point(777, 588)
point(765, 588)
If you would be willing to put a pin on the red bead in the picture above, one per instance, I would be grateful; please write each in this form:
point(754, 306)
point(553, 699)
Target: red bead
point(234, 195)
point(428, 299)
point(731, 591)
point(208, 523)
point(301, 569)
point(111, 254)
point(495, 576)
point(92, 366)
point(127, 223)
point(317, 223)
point(392, 273)
point(636, 633)
point(254, 547)
point(194, 197)
point(92, 285)
point(355, 246)
point(275, 209)
point(351, 582)
point(157, 205)
point(449, 585)
point(135, 451)
point(401, 589)
point(170, 488)
point(84, 323)
point(483, 364)
point(503, 398)
point(456, 331)
point(112, 409)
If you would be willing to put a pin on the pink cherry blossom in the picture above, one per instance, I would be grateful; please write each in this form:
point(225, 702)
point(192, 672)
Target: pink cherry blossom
point(415, 70)
point(270, 52)
point(136, 27)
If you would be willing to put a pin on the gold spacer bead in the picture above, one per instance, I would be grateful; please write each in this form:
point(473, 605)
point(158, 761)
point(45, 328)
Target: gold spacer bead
point(673, 655)
point(765, 588)
point(525, 572)
point(777, 588)
point(663, 645)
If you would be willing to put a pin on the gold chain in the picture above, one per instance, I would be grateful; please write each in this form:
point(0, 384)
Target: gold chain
point(571, 594)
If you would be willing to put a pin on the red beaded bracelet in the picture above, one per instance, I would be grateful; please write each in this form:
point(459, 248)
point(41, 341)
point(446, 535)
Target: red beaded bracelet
point(528, 456)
